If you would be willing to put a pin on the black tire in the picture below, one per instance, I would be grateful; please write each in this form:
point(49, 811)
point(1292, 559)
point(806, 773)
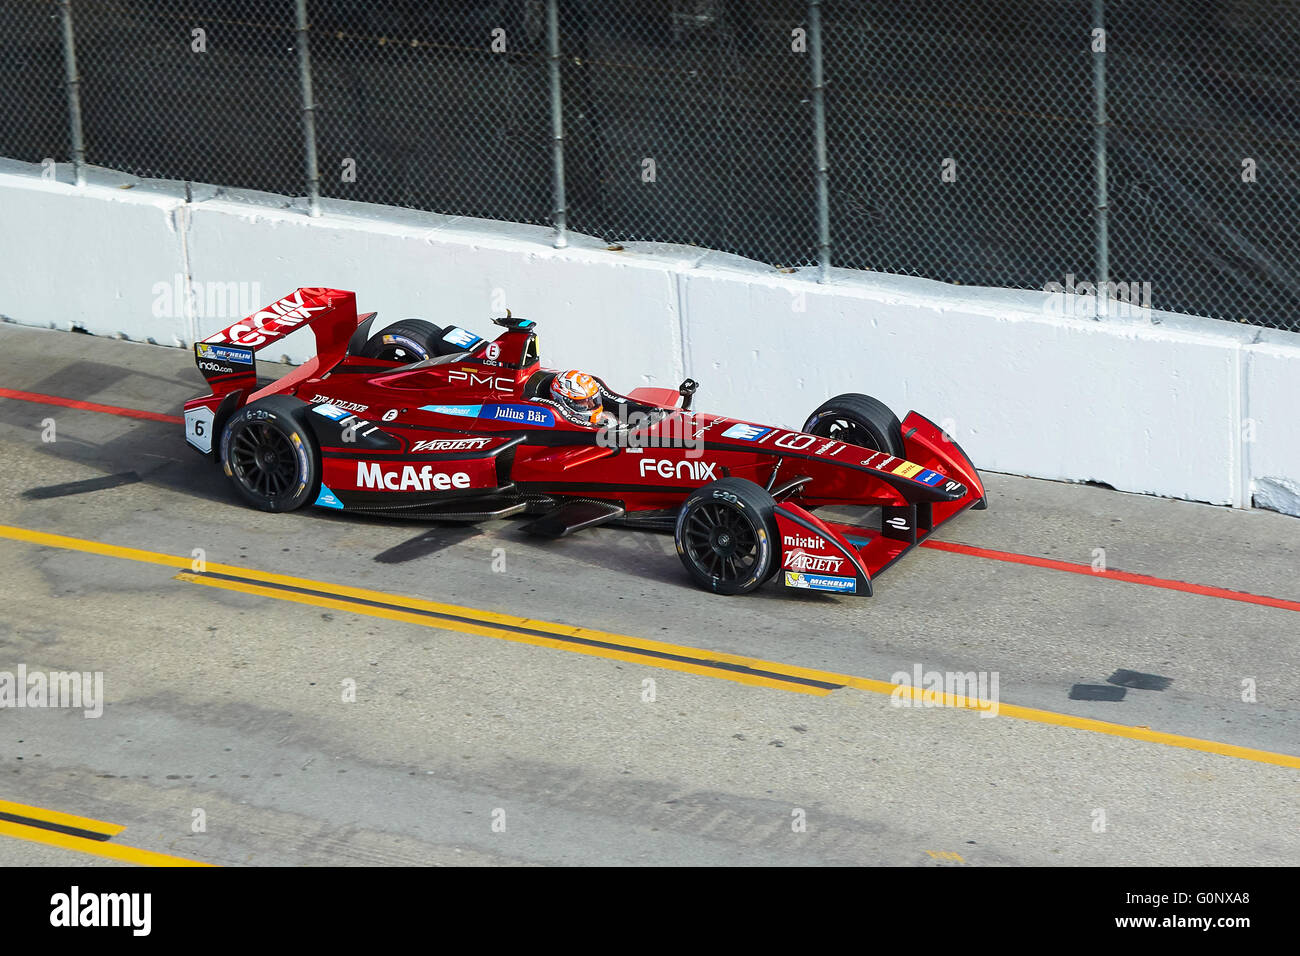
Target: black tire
point(411, 340)
point(727, 536)
point(858, 420)
point(267, 450)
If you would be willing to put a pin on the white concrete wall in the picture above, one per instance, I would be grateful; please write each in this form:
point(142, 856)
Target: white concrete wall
point(1271, 440)
point(1144, 408)
point(87, 258)
point(412, 267)
point(1153, 403)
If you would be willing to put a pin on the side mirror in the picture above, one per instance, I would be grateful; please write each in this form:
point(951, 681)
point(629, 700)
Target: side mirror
point(687, 389)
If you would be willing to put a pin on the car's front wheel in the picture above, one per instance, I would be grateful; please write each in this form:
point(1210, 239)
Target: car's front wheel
point(727, 536)
point(269, 454)
point(858, 420)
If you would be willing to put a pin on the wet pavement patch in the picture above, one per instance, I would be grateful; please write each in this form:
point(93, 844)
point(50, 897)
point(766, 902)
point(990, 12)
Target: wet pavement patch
point(1139, 681)
point(1096, 692)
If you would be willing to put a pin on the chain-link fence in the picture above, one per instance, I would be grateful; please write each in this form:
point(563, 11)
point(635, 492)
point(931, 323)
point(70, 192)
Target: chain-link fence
point(179, 89)
point(1020, 143)
point(423, 105)
point(690, 122)
point(34, 114)
point(961, 140)
point(1204, 158)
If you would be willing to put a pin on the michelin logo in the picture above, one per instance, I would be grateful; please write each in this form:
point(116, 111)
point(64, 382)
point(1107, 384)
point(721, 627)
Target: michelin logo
point(820, 582)
point(224, 353)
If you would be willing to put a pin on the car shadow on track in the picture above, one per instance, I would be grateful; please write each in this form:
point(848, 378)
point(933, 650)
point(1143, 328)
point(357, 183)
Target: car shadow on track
point(154, 452)
point(139, 450)
point(649, 557)
point(156, 455)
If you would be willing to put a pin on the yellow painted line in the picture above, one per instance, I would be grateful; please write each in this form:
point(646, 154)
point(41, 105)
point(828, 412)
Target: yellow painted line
point(346, 591)
point(946, 855)
point(482, 623)
point(91, 547)
point(62, 819)
point(111, 851)
point(920, 695)
point(754, 680)
point(1149, 736)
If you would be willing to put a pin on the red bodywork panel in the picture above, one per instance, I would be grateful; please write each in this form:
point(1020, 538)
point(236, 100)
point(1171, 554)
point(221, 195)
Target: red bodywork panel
point(479, 425)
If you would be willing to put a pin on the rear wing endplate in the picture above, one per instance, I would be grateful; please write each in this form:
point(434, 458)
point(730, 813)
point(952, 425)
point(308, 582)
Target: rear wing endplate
point(226, 358)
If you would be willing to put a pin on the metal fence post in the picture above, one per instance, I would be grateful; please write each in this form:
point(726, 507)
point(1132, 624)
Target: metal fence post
point(74, 94)
point(560, 214)
point(819, 137)
point(308, 113)
point(1099, 137)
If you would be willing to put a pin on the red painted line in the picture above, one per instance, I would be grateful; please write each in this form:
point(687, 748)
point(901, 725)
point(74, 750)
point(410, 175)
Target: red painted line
point(1086, 569)
point(989, 553)
point(89, 406)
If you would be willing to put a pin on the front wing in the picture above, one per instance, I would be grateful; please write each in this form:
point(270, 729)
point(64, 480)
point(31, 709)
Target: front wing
point(824, 555)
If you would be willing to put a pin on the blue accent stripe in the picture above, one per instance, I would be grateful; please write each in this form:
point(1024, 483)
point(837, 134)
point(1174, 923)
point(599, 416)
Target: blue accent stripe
point(327, 498)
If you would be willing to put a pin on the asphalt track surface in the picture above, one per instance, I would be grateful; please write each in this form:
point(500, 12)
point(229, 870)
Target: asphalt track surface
point(579, 702)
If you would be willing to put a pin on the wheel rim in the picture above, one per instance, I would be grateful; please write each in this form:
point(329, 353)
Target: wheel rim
point(264, 459)
point(721, 542)
point(848, 431)
point(399, 353)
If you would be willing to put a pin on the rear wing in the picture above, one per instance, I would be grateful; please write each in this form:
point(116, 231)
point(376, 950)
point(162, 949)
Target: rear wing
point(226, 358)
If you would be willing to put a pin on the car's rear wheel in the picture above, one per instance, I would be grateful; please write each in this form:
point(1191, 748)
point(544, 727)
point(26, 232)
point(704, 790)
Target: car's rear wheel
point(858, 420)
point(268, 452)
point(727, 536)
point(411, 340)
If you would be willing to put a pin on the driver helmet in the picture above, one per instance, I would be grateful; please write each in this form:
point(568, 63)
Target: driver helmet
point(579, 395)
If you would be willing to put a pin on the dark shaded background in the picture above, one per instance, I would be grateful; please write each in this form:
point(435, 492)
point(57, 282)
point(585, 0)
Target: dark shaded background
point(713, 93)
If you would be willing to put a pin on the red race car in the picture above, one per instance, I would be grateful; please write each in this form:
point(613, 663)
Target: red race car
point(437, 423)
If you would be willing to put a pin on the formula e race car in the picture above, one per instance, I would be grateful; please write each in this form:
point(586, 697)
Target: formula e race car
point(437, 423)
